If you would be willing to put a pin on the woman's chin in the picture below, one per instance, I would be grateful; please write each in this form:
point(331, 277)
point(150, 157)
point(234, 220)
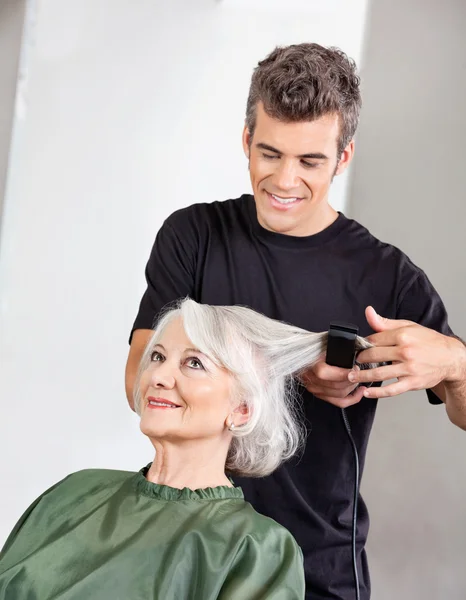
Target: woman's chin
point(155, 430)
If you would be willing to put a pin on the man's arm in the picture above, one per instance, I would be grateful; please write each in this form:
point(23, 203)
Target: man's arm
point(169, 276)
point(422, 350)
point(453, 394)
point(138, 344)
point(420, 358)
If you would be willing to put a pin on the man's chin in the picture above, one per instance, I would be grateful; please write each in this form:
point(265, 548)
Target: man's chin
point(277, 222)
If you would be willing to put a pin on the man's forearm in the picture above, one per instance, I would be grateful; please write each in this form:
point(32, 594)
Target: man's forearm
point(452, 391)
point(454, 397)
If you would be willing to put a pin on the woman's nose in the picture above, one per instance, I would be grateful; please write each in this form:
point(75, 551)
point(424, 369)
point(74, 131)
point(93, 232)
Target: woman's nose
point(163, 376)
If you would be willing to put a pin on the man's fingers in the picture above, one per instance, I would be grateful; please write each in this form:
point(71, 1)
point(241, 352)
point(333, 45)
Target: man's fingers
point(378, 374)
point(387, 391)
point(330, 392)
point(328, 373)
point(347, 401)
point(379, 355)
point(339, 386)
point(394, 337)
point(385, 338)
point(379, 323)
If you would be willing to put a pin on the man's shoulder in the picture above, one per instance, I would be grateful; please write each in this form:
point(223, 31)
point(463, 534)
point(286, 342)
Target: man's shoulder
point(364, 239)
point(205, 213)
point(387, 263)
point(359, 233)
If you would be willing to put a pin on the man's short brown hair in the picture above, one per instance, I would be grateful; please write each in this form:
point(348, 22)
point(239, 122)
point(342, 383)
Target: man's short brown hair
point(304, 82)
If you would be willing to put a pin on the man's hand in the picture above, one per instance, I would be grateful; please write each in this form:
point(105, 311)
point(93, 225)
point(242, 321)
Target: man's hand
point(421, 358)
point(331, 384)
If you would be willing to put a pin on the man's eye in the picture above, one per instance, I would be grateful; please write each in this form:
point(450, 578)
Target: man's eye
point(194, 363)
point(309, 165)
point(269, 156)
point(156, 356)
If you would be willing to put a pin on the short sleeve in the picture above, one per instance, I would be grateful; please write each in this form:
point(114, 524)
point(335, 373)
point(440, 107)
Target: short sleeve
point(420, 302)
point(170, 274)
point(270, 568)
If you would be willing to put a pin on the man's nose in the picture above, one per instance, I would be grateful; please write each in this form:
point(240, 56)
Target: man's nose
point(286, 176)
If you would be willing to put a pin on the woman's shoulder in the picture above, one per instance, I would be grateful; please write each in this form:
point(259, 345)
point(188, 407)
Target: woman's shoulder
point(99, 475)
point(273, 551)
point(264, 530)
point(85, 482)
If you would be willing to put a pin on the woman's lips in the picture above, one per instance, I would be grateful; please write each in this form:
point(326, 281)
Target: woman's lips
point(161, 403)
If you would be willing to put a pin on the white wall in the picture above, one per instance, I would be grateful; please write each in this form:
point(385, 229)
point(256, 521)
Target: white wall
point(11, 26)
point(408, 188)
point(131, 110)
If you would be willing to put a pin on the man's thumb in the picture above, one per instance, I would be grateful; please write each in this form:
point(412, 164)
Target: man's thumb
point(379, 323)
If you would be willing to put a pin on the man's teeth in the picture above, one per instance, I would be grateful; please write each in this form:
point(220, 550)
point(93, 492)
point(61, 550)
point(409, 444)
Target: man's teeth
point(162, 404)
point(284, 200)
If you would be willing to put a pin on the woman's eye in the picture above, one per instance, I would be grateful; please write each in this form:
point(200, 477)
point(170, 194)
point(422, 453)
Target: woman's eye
point(194, 363)
point(156, 356)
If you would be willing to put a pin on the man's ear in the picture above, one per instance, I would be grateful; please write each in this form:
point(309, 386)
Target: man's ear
point(345, 158)
point(247, 139)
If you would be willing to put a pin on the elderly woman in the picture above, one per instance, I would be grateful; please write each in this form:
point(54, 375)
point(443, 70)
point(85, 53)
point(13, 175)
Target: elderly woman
point(213, 396)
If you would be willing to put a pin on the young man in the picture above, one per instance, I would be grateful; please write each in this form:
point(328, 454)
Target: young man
point(286, 252)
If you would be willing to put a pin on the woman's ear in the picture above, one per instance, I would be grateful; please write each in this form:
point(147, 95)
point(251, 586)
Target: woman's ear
point(239, 416)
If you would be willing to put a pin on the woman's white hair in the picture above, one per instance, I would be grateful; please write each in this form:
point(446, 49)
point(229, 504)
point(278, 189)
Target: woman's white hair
point(265, 357)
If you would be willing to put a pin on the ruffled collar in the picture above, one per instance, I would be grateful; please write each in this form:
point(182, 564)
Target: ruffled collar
point(165, 492)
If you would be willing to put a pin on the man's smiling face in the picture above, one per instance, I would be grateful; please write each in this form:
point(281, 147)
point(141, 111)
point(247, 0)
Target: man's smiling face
point(291, 167)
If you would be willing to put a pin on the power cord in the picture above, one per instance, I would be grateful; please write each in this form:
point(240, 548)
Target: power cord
point(344, 417)
point(341, 352)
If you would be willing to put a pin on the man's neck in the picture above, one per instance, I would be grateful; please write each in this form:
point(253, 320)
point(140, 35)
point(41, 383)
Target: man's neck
point(320, 220)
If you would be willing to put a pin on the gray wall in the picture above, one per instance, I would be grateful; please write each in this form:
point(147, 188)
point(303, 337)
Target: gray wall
point(11, 27)
point(408, 188)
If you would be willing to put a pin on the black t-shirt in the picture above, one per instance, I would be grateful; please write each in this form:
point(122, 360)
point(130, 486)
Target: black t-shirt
point(219, 254)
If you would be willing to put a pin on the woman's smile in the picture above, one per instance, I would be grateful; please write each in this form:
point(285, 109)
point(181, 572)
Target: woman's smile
point(161, 403)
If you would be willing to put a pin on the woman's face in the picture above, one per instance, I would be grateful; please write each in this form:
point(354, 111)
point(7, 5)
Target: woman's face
point(184, 395)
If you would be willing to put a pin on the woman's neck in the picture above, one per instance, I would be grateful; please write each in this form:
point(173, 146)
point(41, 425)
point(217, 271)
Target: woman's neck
point(195, 464)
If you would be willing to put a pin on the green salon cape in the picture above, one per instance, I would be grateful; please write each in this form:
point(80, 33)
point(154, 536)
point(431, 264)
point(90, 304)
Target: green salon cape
point(113, 535)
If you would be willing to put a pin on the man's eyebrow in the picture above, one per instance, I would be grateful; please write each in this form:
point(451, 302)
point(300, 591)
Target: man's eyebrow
point(262, 146)
point(311, 155)
point(314, 156)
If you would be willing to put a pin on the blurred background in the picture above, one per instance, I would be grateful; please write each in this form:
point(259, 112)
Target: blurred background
point(115, 113)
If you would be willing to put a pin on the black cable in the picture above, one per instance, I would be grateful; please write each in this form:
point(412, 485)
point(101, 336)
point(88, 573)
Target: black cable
point(341, 352)
point(355, 501)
